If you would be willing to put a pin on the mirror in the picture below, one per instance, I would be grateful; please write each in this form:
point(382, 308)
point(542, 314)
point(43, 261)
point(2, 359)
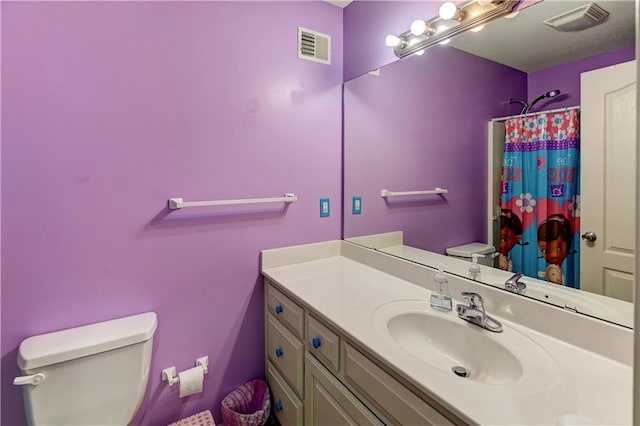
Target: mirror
point(439, 123)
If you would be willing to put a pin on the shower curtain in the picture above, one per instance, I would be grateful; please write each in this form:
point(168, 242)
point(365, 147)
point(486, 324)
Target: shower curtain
point(540, 199)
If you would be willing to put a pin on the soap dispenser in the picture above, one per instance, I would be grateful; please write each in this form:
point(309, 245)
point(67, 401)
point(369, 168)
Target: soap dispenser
point(474, 268)
point(441, 297)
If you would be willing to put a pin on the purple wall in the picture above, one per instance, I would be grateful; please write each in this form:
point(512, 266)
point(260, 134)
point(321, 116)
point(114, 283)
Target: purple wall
point(567, 78)
point(406, 131)
point(111, 108)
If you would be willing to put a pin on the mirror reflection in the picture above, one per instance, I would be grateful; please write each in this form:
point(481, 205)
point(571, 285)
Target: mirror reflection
point(529, 132)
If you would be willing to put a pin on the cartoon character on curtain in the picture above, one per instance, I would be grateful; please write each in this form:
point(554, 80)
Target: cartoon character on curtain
point(540, 198)
point(510, 235)
point(554, 241)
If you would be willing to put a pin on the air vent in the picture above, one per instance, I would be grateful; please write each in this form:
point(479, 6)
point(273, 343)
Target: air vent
point(578, 19)
point(314, 46)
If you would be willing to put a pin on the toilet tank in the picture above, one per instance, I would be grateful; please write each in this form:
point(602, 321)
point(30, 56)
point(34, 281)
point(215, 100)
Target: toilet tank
point(465, 251)
point(93, 375)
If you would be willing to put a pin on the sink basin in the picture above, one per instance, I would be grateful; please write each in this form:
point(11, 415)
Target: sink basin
point(445, 342)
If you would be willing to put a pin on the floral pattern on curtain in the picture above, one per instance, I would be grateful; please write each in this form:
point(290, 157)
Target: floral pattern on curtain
point(540, 200)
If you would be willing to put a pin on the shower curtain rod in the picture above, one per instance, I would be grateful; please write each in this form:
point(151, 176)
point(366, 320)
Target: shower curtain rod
point(535, 113)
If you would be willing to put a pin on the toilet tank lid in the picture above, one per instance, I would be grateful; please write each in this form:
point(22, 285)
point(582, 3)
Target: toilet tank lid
point(78, 342)
point(466, 250)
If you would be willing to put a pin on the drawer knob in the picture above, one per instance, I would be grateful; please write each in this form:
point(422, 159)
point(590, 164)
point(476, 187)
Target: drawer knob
point(316, 342)
point(279, 406)
point(278, 309)
point(279, 352)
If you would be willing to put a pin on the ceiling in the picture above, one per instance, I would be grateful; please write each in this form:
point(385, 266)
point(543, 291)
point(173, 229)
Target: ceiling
point(526, 44)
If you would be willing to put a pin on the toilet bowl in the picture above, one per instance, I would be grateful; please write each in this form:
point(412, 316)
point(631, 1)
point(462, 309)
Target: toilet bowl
point(91, 375)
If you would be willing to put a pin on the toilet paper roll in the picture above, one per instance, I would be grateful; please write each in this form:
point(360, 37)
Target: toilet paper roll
point(191, 381)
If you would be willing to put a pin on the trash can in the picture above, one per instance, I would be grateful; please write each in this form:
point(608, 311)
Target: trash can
point(247, 406)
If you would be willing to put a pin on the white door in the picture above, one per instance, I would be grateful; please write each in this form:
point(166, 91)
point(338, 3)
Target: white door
point(607, 213)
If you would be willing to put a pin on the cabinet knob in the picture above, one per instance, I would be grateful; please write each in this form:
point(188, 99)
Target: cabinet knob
point(278, 309)
point(316, 342)
point(279, 352)
point(279, 406)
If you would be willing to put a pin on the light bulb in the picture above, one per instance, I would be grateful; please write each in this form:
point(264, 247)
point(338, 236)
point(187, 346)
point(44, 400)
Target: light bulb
point(512, 14)
point(476, 29)
point(418, 27)
point(419, 52)
point(449, 10)
point(445, 41)
point(392, 41)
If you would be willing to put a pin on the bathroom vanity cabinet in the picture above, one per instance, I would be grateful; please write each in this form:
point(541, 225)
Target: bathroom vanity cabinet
point(319, 376)
point(351, 339)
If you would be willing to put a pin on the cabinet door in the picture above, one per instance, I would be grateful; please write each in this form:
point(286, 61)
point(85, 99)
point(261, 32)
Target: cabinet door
point(328, 402)
point(285, 352)
point(286, 310)
point(390, 397)
point(323, 343)
point(288, 408)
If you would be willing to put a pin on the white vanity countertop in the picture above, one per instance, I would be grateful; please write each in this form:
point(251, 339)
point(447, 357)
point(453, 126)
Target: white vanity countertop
point(348, 294)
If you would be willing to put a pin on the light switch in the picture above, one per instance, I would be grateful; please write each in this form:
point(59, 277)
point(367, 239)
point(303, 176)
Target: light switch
point(324, 207)
point(356, 205)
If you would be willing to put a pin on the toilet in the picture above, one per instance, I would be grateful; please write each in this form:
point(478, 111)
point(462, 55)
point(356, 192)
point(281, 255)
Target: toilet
point(465, 251)
point(91, 375)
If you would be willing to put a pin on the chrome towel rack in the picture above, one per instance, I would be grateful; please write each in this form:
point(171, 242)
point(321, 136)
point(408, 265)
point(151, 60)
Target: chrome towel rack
point(179, 203)
point(437, 190)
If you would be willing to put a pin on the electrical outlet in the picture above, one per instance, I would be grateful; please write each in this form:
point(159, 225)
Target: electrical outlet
point(324, 207)
point(356, 205)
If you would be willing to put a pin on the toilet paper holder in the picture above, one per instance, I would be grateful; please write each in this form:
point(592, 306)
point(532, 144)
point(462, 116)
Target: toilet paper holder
point(169, 374)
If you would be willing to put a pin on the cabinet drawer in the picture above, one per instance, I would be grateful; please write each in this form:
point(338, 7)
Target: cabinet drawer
point(329, 402)
point(324, 343)
point(286, 310)
point(285, 352)
point(394, 401)
point(286, 405)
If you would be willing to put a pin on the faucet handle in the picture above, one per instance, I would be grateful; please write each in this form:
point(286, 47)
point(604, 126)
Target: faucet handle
point(514, 286)
point(515, 277)
point(474, 299)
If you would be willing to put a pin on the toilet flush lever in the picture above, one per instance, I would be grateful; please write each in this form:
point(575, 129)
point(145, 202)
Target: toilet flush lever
point(34, 379)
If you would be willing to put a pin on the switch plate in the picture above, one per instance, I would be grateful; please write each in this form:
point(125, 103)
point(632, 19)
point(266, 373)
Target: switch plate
point(325, 210)
point(356, 205)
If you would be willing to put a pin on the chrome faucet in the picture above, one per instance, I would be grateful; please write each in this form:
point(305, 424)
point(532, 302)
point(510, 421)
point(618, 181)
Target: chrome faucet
point(514, 286)
point(474, 313)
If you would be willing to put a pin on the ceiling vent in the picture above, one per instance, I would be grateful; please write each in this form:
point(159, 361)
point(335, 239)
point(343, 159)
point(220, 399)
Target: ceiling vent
point(314, 46)
point(578, 19)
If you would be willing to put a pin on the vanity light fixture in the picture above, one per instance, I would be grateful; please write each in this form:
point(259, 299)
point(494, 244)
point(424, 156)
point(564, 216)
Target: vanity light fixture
point(419, 52)
point(452, 20)
point(445, 25)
